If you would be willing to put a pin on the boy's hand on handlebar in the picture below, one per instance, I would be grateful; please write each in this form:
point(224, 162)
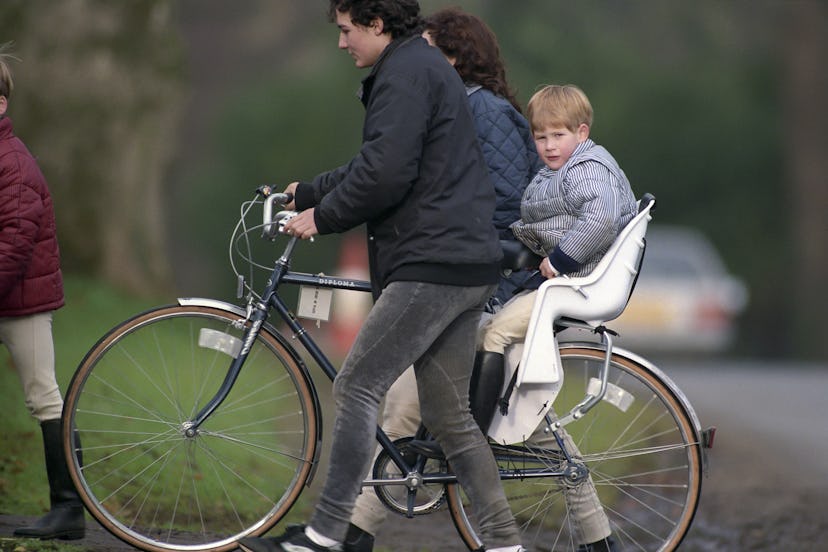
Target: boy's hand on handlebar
point(302, 225)
point(291, 189)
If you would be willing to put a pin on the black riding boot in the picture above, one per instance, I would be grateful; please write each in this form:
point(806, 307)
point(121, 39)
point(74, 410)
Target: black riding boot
point(485, 387)
point(65, 519)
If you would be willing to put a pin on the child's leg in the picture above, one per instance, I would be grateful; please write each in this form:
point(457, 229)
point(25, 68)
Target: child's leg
point(509, 324)
point(582, 501)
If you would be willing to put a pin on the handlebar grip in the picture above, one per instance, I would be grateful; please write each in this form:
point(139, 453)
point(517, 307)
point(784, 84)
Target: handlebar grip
point(267, 192)
point(270, 229)
point(284, 199)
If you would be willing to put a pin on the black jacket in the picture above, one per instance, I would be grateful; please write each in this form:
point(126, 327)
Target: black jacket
point(419, 180)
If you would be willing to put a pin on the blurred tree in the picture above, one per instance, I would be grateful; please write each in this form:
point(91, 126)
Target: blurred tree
point(97, 98)
point(697, 100)
point(687, 96)
point(261, 113)
point(805, 135)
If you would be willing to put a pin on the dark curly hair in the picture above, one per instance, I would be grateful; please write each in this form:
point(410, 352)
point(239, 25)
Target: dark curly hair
point(474, 47)
point(400, 18)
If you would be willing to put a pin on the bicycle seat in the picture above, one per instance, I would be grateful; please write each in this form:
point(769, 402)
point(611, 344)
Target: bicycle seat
point(594, 299)
point(591, 301)
point(517, 256)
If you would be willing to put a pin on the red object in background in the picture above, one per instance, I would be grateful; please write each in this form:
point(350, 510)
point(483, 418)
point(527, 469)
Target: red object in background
point(350, 307)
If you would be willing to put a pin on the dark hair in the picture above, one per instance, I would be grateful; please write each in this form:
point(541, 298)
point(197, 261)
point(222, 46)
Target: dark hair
point(399, 17)
point(474, 47)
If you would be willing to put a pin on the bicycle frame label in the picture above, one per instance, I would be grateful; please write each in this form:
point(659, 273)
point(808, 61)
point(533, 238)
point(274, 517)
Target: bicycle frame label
point(337, 283)
point(315, 303)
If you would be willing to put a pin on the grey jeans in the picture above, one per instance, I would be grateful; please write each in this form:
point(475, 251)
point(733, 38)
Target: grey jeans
point(433, 327)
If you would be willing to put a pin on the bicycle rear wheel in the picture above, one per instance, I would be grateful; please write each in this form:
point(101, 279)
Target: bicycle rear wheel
point(137, 468)
point(644, 461)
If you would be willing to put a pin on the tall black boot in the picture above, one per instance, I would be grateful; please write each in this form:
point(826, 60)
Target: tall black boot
point(65, 520)
point(485, 387)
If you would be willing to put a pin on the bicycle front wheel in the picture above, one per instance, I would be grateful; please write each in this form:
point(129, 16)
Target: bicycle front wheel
point(140, 468)
point(642, 455)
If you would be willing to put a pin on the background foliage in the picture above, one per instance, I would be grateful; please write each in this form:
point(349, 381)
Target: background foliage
point(153, 120)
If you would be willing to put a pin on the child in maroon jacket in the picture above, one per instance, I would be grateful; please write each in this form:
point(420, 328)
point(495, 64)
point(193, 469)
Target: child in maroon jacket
point(31, 289)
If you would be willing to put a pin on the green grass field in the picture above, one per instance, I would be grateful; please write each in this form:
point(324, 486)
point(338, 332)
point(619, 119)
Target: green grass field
point(31, 545)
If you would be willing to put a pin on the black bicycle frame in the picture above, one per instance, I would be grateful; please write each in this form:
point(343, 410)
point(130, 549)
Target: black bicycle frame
point(259, 314)
point(257, 317)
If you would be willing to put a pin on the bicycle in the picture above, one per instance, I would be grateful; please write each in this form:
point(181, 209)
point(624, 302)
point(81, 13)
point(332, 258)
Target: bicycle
point(193, 425)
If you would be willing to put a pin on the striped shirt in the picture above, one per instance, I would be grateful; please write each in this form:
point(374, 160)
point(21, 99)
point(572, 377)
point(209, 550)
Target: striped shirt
point(574, 214)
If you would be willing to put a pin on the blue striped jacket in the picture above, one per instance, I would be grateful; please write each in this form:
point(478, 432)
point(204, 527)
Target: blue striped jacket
point(574, 214)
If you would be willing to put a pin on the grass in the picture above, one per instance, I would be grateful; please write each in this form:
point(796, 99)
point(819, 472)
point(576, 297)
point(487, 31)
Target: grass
point(34, 545)
point(91, 309)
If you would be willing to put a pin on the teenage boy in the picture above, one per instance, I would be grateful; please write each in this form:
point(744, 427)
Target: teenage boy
point(420, 183)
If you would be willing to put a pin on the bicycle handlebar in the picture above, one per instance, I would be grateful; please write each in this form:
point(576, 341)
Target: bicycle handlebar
point(270, 228)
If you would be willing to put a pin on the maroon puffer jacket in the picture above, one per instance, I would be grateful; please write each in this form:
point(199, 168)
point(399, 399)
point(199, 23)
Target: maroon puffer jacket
point(30, 278)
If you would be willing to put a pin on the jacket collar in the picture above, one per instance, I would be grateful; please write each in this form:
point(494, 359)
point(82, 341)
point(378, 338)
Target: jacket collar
point(364, 91)
point(576, 157)
point(472, 88)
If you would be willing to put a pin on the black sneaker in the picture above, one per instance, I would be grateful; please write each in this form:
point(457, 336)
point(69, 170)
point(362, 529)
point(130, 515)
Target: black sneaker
point(293, 540)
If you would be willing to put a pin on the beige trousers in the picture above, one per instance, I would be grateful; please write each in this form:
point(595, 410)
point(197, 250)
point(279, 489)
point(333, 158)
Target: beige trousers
point(509, 324)
point(29, 341)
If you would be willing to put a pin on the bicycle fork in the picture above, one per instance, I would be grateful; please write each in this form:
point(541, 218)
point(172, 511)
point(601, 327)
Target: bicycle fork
point(256, 315)
point(257, 318)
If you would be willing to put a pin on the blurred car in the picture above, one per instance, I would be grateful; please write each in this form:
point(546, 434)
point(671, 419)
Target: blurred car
point(685, 300)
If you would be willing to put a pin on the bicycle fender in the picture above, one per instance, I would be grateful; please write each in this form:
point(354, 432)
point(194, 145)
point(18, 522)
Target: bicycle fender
point(530, 402)
point(655, 371)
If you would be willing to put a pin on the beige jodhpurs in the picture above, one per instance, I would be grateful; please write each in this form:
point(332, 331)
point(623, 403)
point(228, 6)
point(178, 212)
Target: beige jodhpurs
point(29, 341)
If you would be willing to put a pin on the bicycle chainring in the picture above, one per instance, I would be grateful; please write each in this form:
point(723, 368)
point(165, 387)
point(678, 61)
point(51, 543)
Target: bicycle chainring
point(426, 498)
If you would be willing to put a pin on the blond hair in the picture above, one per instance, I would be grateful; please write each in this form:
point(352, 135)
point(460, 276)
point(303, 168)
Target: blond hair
point(6, 82)
point(559, 105)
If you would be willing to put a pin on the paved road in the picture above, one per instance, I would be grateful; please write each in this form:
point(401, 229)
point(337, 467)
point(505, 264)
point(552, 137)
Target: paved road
point(777, 400)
